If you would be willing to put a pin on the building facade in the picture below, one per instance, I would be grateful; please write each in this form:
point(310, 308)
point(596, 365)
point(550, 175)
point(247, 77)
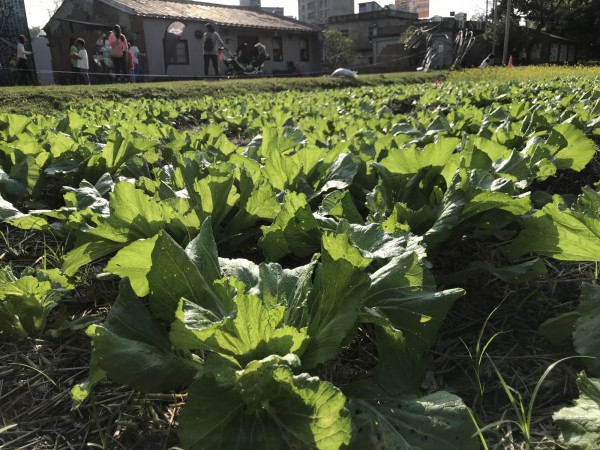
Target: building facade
point(148, 23)
point(372, 31)
point(13, 24)
point(421, 7)
point(317, 12)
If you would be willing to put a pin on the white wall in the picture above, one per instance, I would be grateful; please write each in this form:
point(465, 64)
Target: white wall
point(154, 32)
point(43, 60)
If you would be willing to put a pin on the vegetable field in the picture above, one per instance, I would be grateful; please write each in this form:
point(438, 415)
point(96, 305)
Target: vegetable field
point(394, 266)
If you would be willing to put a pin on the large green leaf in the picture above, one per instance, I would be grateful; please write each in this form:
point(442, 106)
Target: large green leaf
point(7, 210)
point(402, 292)
point(580, 424)
point(340, 174)
point(400, 368)
point(562, 233)
point(255, 332)
point(407, 422)
point(586, 334)
point(173, 275)
point(134, 262)
point(289, 287)
point(411, 160)
point(375, 243)
point(263, 406)
point(133, 215)
point(131, 208)
point(280, 169)
point(340, 204)
point(86, 253)
point(336, 298)
point(275, 285)
point(294, 230)
point(257, 202)
point(217, 192)
point(133, 348)
point(88, 196)
point(571, 148)
point(25, 303)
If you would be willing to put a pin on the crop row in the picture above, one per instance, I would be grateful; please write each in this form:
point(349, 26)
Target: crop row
point(264, 234)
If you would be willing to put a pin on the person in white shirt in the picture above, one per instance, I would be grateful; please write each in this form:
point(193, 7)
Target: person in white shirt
point(83, 64)
point(25, 74)
point(135, 51)
point(488, 61)
point(107, 63)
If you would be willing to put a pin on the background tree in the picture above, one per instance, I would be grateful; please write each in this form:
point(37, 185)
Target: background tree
point(542, 14)
point(574, 19)
point(338, 50)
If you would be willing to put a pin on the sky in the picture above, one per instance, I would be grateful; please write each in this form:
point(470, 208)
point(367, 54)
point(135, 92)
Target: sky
point(38, 10)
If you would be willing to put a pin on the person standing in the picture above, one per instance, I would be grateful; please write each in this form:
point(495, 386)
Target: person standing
point(107, 63)
point(74, 54)
point(83, 65)
point(130, 65)
point(135, 51)
point(25, 75)
point(118, 52)
point(211, 46)
point(488, 61)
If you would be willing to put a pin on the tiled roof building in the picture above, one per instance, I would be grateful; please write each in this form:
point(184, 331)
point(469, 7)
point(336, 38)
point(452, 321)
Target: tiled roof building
point(287, 40)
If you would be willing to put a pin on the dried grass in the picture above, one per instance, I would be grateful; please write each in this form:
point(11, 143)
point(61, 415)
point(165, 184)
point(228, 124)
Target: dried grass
point(36, 376)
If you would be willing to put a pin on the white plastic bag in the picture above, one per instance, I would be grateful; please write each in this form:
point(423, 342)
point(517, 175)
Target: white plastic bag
point(346, 73)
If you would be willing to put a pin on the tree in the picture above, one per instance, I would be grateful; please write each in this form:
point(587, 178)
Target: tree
point(33, 32)
point(338, 50)
point(542, 13)
point(54, 7)
point(574, 19)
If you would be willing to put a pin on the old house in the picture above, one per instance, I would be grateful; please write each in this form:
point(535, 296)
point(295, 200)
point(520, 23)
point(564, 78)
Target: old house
point(539, 47)
point(170, 33)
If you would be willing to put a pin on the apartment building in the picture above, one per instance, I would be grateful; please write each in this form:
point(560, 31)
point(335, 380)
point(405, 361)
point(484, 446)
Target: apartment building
point(318, 11)
point(421, 7)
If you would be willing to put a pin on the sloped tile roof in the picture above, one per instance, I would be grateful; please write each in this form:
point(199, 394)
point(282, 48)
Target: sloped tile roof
point(198, 11)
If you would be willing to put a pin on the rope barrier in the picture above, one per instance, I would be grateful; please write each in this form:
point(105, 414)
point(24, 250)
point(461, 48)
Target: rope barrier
point(154, 76)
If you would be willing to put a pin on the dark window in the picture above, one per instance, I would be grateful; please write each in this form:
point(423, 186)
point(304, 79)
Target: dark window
point(175, 49)
point(277, 49)
point(245, 48)
point(304, 53)
point(180, 55)
point(250, 40)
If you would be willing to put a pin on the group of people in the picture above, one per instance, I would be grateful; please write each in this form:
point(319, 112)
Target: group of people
point(117, 57)
point(244, 56)
point(515, 58)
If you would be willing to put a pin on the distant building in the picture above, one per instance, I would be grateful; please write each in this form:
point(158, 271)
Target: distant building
point(373, 29)
point(421, 7)
point(317, 12)
point(368, 7)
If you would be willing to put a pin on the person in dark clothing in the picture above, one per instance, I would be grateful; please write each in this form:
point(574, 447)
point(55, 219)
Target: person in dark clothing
point(25, 73)
point(211, 48)
point(243, 53)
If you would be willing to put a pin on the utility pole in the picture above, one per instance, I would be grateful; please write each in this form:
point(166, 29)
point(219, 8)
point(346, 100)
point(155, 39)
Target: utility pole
point(506, 32)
